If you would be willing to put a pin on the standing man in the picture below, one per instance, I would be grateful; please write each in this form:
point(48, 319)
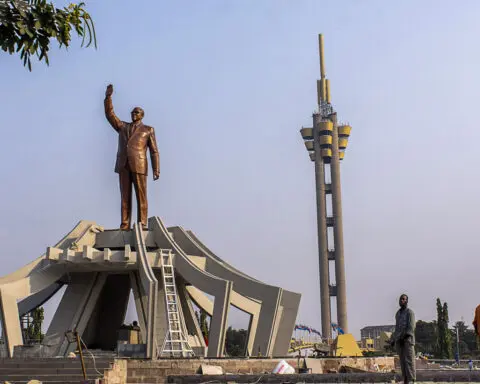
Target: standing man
point(132, 165)
point(404, 339)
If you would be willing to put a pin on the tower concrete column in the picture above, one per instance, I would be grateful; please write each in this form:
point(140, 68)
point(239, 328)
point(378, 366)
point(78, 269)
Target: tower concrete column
point(338, 229)
point(322, 231)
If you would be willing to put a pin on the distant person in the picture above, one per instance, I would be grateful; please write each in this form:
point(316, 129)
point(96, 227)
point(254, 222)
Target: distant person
point(404, 339)
point(135, 326)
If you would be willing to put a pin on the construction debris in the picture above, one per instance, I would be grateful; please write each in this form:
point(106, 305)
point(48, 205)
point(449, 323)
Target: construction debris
point(283, 368)
point(206, 369)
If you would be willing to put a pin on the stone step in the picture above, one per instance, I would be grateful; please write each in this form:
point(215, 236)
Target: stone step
point(77, 367)
point(50, 359)
point(57, 382)
point(52, 370)
point(54, 363)
point(49, 371)
point(44, 379)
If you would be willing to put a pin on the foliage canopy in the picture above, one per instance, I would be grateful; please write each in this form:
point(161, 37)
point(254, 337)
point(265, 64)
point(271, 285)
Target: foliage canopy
point(444, 334)
point(34, 330)
point(26, 26)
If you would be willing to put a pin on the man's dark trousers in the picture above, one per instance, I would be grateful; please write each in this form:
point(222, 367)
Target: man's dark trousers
point(406, 352)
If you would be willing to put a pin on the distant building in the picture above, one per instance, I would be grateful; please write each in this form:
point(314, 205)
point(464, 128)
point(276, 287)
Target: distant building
point(375, 332)
point(367, 343)
point(383, 341)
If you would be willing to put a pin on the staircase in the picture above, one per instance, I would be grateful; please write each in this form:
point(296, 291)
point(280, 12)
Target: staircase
point(52, 370)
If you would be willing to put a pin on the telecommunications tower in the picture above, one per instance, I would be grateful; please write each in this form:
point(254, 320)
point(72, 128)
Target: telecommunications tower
point(326, 143)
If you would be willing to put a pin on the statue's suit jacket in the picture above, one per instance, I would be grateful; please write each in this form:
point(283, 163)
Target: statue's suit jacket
point(133, 143)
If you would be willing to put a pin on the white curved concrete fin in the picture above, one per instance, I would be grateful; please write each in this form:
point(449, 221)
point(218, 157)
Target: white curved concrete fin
point(290, 304)
point(141, 303)
point(244, 284)
point(200, 299)
point(268, 295)
point(245, 304)
point(276, 299)
point(10, 319)
point(203, 280)
point(215, 286)
point(198, 244)
point(64, 243)
point(240, 302)
point(75, 309)
point(36, 300)
point(192, 323)
point(38, 276)
point(150, 286)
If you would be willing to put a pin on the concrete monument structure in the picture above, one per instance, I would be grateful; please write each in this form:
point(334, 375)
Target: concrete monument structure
point(168, 270)
point(326, 143)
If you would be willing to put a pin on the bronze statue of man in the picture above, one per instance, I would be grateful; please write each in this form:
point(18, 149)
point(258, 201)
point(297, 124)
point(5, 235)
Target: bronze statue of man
point(132, 165)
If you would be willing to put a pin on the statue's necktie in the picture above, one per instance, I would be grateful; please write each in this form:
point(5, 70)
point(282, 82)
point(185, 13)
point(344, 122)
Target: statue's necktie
point(132, 130)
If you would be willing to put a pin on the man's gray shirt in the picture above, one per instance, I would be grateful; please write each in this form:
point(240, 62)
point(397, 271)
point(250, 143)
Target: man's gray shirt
point(405, 325)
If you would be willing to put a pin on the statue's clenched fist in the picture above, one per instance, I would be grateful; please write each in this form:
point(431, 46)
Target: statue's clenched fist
point(109, 90)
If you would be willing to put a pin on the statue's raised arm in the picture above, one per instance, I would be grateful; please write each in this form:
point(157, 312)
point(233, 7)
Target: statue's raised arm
point(114, 121)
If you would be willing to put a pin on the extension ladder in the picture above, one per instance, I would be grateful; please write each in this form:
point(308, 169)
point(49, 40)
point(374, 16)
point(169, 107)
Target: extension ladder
point(175, 343)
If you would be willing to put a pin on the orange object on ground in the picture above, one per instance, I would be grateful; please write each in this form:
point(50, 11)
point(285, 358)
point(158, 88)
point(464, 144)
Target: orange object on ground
point(476, 320)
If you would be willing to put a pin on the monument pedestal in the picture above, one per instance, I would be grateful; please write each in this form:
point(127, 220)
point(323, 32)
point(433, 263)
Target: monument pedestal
point(101, 267)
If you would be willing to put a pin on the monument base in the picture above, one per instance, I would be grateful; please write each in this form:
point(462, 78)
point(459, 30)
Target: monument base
point(169, 271)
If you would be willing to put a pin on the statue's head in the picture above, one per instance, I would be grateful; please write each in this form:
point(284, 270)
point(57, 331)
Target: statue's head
point(137, 114)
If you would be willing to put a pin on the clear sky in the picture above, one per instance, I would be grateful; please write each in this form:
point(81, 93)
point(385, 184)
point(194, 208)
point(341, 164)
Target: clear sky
point(227, 86)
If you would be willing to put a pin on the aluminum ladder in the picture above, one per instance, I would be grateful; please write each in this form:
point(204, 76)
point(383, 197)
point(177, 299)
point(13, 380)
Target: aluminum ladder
point(175, 343)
